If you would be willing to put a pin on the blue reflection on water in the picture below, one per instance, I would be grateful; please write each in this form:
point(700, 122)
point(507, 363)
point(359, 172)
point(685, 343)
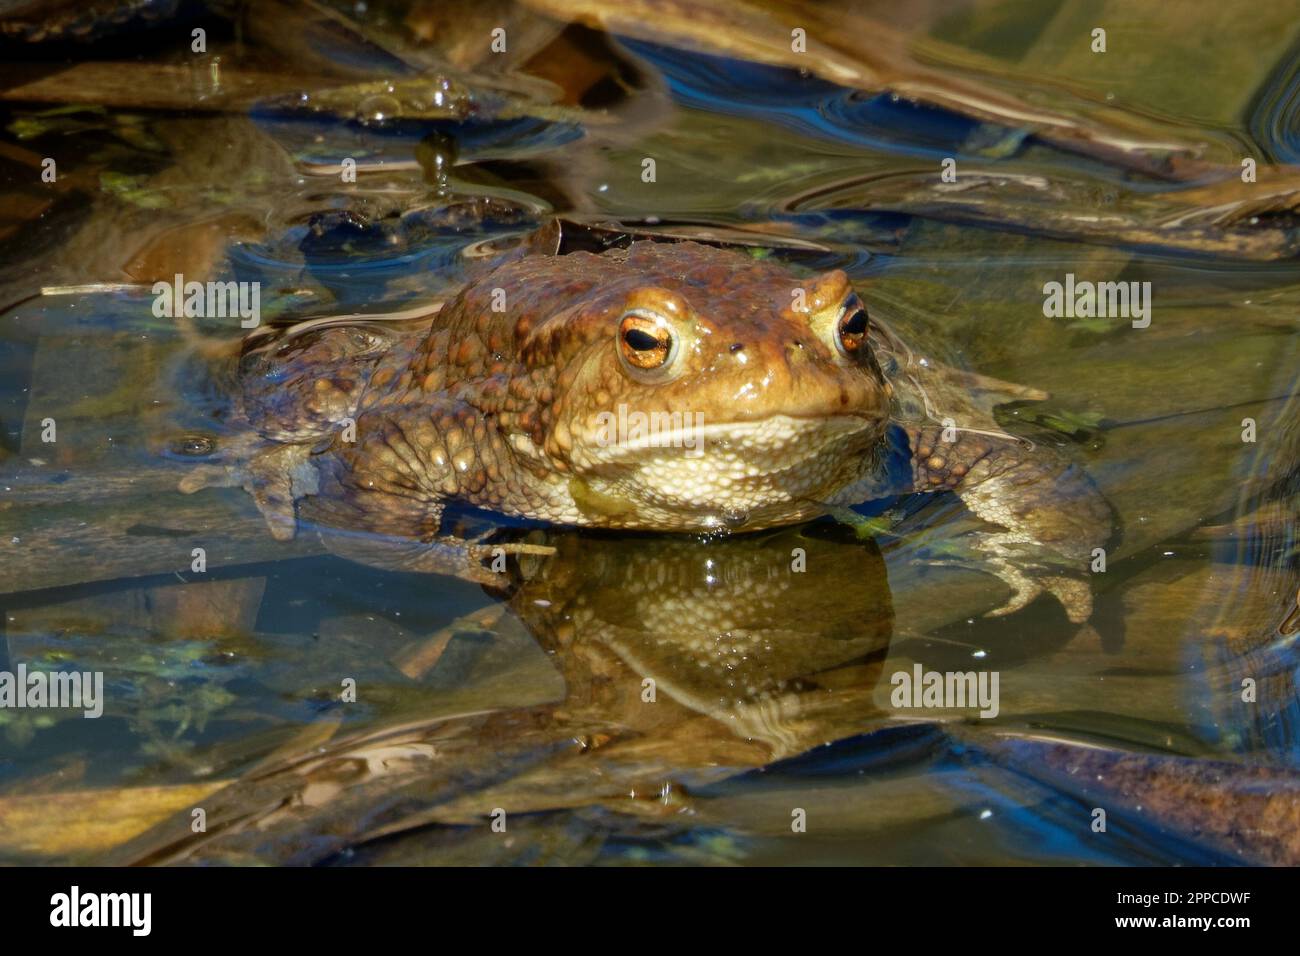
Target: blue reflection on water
point(1275, 119)
point(806, 104)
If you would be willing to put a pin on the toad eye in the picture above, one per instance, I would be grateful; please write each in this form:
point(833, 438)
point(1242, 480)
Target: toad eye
point(646, 342)
point(851, 327)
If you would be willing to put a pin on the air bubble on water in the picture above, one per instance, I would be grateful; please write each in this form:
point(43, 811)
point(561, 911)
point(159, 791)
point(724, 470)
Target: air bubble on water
point(734, 519)
point(378, 109)
point(193, 445)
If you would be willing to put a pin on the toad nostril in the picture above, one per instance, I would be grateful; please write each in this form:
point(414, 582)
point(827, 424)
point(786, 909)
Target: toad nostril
point(737, 346)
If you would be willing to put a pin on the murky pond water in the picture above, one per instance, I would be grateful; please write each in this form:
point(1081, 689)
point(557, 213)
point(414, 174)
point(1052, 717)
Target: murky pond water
point(657, 698)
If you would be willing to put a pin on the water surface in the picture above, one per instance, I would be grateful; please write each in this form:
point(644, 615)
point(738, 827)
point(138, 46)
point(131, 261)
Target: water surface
point(773, 689)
